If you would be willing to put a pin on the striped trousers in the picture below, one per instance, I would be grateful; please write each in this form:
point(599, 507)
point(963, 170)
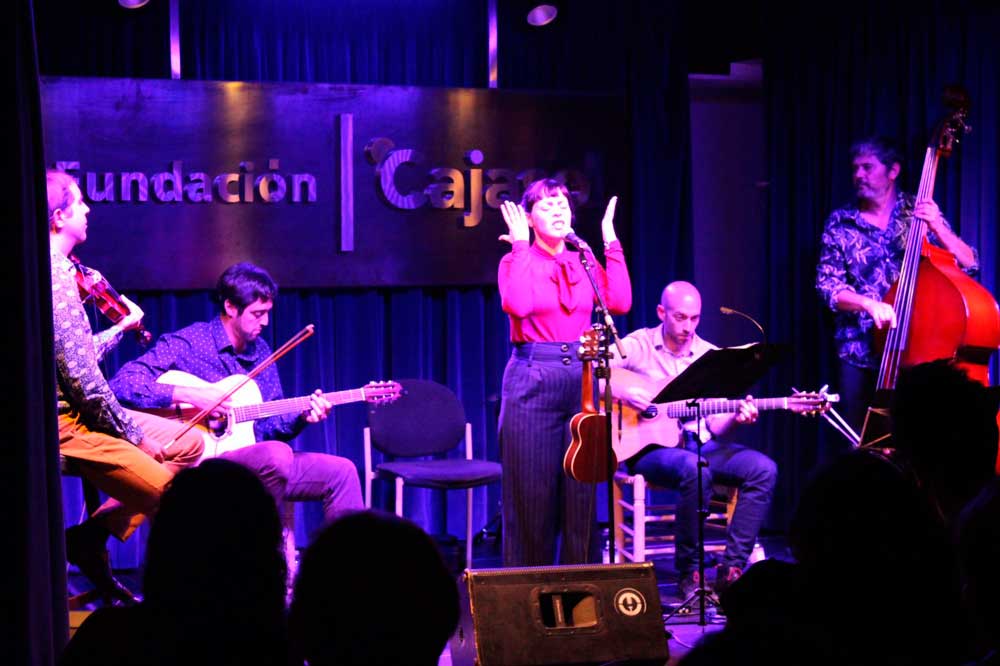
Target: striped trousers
point(547, 517)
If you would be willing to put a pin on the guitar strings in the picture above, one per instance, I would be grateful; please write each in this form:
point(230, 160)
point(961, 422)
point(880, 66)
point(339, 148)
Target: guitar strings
point(293, 342)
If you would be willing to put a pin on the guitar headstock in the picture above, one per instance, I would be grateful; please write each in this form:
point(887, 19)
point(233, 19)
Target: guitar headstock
point(811, 403)
point(382, 392)
point(590, 343)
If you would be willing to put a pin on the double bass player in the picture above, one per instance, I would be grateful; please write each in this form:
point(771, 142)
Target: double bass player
point(861, 254)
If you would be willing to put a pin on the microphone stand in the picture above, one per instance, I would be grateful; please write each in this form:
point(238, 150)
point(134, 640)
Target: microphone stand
point(603, 371)
point(700, 594)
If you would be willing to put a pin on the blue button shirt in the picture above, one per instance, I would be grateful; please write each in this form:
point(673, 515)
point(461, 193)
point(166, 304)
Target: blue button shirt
point(203, 350)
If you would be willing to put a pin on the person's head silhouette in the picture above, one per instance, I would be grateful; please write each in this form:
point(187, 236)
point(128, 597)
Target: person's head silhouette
point(372, 589)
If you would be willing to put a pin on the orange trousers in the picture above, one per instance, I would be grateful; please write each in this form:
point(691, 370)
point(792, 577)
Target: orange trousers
point(132, 479)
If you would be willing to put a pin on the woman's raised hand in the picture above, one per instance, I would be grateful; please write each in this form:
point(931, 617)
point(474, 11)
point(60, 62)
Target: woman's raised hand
point(608, 223)
point(517, 222)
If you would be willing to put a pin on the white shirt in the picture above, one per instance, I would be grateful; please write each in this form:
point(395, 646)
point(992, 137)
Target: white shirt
point(647, 355)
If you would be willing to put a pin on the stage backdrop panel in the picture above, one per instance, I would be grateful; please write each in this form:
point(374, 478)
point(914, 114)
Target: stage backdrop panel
point(325, 185)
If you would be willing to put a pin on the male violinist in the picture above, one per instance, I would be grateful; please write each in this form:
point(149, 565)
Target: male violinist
point(861, 254)
point(119, 451)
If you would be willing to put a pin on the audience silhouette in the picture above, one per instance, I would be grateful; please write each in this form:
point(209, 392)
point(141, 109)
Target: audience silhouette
point(214, 581)
point(372, 589)
point(979, 553)
point(874, 580)
point(944, 429)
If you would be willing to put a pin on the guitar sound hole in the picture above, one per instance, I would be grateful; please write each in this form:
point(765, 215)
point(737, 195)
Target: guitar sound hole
point(217, 425)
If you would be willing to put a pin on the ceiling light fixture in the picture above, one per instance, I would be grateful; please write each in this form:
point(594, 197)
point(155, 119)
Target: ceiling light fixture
point(542, 15)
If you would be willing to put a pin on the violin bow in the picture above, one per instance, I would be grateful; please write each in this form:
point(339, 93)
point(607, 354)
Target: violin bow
point(292, 343)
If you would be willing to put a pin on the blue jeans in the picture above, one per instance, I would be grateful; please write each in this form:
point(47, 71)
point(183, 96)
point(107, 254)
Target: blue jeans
point(728, 464)
point(857, 392)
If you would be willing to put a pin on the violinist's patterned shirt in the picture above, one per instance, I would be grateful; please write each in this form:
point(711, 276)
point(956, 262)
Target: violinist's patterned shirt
point(109, 338)
point(859, 257)
point(80, 385)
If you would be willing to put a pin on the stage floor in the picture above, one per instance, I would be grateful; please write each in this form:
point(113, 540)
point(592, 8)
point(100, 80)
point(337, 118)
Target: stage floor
point(684, 629)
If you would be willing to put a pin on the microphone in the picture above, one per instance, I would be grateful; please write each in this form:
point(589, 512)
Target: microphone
point(730, 311)
point(573, 239)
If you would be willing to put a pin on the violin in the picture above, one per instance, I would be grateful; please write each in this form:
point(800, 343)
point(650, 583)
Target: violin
point(94, 288)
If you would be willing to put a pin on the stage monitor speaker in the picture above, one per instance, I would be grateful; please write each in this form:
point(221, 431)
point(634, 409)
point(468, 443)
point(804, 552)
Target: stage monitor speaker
point(572, 615)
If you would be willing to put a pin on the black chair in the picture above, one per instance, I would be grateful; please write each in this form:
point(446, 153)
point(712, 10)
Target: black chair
point(427, 421)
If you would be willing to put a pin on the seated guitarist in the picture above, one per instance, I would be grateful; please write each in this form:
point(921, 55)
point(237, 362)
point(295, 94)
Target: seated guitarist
point(227, 345)
point(660, 354)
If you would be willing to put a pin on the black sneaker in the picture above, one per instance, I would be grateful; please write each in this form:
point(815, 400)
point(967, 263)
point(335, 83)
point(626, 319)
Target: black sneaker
point(688, 583)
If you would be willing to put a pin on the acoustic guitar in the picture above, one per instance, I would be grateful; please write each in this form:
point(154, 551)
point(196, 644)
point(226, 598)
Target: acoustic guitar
point(661, 423)
point(234, 430)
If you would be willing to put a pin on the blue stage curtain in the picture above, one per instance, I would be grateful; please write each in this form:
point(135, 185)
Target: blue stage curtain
point(639, 49)
point(457, 336)
point(35, 579)
point(853, 71)
point(374, 334)
point(384, 42)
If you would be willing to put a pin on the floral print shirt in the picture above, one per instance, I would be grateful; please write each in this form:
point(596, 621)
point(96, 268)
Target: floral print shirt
point(859, 257)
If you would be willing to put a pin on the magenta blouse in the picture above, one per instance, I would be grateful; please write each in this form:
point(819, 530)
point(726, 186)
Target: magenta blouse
point(550, 299)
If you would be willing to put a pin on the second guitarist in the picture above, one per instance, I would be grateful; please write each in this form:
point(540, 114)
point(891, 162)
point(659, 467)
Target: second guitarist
point(660, 354)
point(227, 345)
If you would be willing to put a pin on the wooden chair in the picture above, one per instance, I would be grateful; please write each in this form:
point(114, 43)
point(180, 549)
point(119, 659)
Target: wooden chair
point(635, 514)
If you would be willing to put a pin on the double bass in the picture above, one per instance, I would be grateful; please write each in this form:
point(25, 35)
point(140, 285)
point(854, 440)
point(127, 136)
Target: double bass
point(941, 312)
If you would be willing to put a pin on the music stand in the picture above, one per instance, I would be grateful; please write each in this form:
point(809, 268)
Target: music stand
point(723, 373)
point(719, 373)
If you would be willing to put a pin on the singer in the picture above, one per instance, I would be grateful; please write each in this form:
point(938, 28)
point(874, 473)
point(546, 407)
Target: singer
point(548, 518)
point(659, 354)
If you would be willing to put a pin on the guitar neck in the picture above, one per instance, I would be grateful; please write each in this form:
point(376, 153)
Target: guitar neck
point(681, 409)
point(298, 405)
